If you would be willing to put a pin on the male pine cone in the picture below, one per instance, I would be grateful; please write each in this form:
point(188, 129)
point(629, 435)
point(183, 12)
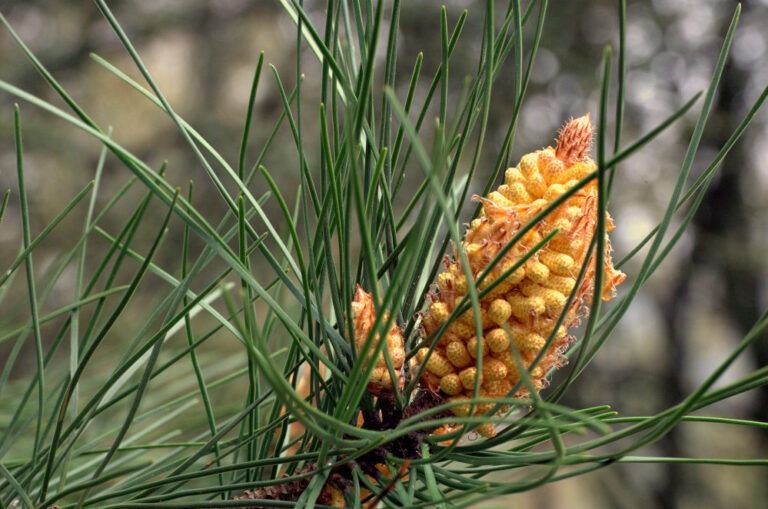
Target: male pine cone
point(519, 315)
point(363, 318)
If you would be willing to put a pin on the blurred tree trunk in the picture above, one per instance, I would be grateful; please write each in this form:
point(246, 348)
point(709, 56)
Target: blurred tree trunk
point(722, 228)
point(726, 219)
point(668, 493)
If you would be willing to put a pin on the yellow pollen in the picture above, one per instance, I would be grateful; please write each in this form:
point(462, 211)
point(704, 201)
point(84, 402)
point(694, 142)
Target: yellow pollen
point(528, 165)
point(440, 311)
point(497, 339)
point(493, 369)
point(537, 271)
point(558, 263)
point(486, 430)
point(511, 176)
point(461, 407)
point(530, 341)
point(499, 312)
point(439, 365)
point(458, 355)
point(518, 194)
point(472, 347)
point(468, 377)
point(451, 384)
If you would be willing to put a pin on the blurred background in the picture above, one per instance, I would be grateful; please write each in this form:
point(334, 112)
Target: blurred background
point(690, 315)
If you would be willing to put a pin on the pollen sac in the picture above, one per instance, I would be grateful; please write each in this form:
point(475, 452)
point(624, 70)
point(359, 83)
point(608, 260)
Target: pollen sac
point(530, 342)
point(553, 300)
point(435, 363)
point(461, 330)
point(461, 406)
point(518, 314)
point(508, 359)
point(381, 376)
point(559, 263)
point(493, 369)
point(458, 355)
point(486, 430)
point(516, 276)
point(554, 191)
point(512, 176)
point(497, 339)
point(528, 165)
point(440, 311)
point(537, 272)
point(498, 388)
point(536, 185)
point(525, 307)
point(468, 377)
point(483, 408)
point(439, 365)
point(499, 311)
point(560, 284)
point(472, 347)
point(451, 384)
point(515, 194)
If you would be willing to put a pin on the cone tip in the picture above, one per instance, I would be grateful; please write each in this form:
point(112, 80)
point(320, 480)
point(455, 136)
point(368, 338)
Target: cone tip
point(574, 140)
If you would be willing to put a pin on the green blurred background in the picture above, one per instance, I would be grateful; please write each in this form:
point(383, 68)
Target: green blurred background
point(690, 314)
